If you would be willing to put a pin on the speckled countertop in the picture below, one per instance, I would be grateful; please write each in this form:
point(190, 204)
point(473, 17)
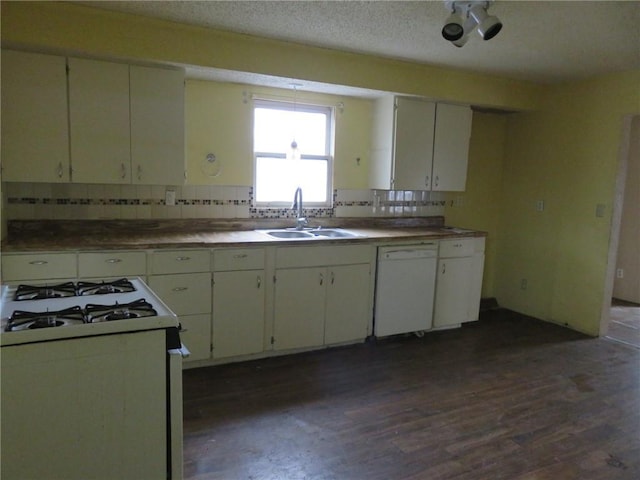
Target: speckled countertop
point(86, 235)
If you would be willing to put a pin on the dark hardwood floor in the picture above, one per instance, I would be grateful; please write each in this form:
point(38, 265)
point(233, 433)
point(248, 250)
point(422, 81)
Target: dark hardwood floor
point(507, 397)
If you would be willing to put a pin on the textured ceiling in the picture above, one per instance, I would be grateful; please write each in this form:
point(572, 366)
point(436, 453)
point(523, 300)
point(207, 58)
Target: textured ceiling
point(541, 41)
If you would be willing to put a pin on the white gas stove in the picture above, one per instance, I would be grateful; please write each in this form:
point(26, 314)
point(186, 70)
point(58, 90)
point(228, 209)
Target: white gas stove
point(45, 312)
point(105, 358)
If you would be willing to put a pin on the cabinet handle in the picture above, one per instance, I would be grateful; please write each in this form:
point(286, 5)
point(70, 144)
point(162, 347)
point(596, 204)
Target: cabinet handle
point(139, 172)
point(437, 180)
point(333, 278)
point(321, 279)
point(180, 289)
point(183, 259)
point(113, 260)
point(123, 171)
point(258, 281)
point(38, 262)
point(444, 267)
point(426, 180)
point(60, 170)
point(240, 255)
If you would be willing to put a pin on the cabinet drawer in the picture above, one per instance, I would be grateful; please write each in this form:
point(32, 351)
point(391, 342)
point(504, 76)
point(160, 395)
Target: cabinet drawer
point(184, 293)
point(238, 259)
point(39, 266)
point(319, 256)
point(180, 261)
point(112, 264)
point(457, 247)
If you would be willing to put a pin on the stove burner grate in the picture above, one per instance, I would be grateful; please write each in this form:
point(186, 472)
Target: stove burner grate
point(119, 311)
point(102, 288)
point(39, 292)
point(23, 320)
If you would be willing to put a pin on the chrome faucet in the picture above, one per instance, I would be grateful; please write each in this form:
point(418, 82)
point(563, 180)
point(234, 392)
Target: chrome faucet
point(301, 221)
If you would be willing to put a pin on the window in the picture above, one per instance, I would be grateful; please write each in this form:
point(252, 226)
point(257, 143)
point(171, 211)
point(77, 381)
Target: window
point(275, 126)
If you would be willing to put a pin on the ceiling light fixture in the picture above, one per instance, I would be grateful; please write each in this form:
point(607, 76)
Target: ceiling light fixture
point(475, 16)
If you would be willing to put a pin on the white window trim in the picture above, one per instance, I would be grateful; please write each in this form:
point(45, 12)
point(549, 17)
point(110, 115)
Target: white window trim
point(329, 148)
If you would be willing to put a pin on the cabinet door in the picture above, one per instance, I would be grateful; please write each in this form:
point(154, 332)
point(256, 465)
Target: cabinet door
point(238, 313)
point(196, 336)
point(348, 302)
point(299, 308)
point(451, 147)
point(157, 126)
point(413, 156)
point(475, 286)
point(35, 136)
point(99, 120)
point(452, 292)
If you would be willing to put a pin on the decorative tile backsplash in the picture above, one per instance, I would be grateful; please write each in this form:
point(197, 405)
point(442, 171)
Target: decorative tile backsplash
point(27, 201)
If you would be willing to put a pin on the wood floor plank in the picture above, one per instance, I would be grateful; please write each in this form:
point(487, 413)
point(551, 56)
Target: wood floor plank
point(506, 397)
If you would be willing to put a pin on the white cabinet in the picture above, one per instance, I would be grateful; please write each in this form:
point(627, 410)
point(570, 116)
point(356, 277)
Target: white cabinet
point(451, 148)
point(182, 279)
point(322, 296)
point(348, 309)
point(157, 125)
point(35, 137)
point(99, 121)
point(238, 302)
point(458, 282)
point(419, 145)
point(112, 264)
point(299, 307)
point(38, 266)
point(127, 123)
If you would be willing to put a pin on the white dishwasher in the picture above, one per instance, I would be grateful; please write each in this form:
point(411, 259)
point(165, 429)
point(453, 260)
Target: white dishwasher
point(405, 287)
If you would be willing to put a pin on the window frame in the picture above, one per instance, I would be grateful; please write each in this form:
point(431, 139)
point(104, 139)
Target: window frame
point(329, 112)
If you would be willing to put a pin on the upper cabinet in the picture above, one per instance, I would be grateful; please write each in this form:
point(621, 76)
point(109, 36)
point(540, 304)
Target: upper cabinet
point(103, 122)
point(35, 136)
point(157, 125)
point(419, 145)
point(127, 123)
point(99, 121)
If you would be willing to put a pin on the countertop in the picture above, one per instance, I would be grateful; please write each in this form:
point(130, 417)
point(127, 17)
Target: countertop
point(87, 235)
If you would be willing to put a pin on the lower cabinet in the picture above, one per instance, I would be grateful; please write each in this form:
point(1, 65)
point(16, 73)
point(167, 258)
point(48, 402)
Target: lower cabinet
point(189, 296)
point(238, 302)
point(238, 313)
point(458, 282)
point(319, 305)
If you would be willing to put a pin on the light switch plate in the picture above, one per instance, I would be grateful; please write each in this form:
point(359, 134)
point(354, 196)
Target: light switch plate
point(539, 205)
point(600, 209)
point(170, 197)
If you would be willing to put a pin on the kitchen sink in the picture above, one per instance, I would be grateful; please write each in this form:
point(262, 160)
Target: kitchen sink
point(289, 234)
point(334, 233)
point(309, 234)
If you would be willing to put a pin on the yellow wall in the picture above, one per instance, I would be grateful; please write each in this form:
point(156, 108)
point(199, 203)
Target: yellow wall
point(219, 120)
point(478, 207)
point(566, 155)
point(563, 149)
point(70, 27)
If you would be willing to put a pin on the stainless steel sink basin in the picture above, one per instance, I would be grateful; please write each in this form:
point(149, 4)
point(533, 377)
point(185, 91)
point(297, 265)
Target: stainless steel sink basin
point(334, 233)
point(309, 234)
point(289, 234)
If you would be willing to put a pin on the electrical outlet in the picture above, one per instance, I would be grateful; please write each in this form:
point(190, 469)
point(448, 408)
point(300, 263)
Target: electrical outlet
point(600, 209)
point(539, 205)
point(523, 284)
point(170, 197)
point(620, 273)
point(459, 201)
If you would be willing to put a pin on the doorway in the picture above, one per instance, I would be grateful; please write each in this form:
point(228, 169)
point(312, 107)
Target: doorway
point(620, 314)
